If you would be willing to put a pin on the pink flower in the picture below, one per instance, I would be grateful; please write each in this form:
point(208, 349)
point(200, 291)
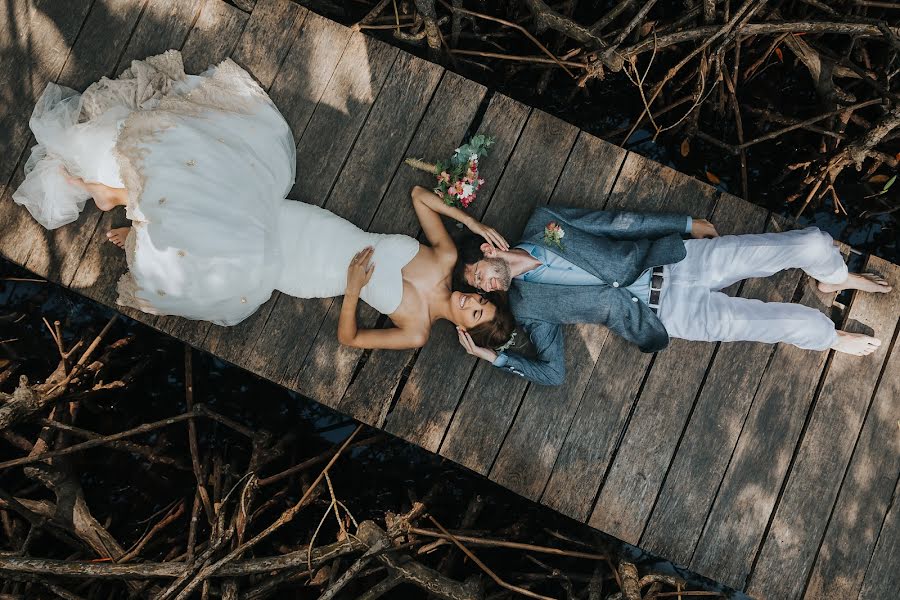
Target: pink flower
point(481, 182)
point(444, 176)
point(452, 191)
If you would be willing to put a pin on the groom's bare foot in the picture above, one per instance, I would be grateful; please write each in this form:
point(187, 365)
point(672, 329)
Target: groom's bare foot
point(856, 344)
point(865, 282)
point(117, 236)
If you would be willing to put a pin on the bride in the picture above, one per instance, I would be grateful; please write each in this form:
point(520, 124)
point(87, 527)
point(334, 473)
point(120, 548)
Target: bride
point(202, 164)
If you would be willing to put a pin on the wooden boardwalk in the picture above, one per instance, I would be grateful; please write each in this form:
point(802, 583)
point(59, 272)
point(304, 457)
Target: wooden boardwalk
point(770, 469)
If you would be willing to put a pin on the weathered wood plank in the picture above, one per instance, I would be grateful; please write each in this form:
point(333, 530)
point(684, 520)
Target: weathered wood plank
point(377, 153)
point(802, 513)
point(645, 452)
point(449, 114)
point(298, 89)
point(164, 25)
point(293, 324)
point(267, 37)
point(339, 116)
point(882, 577)
point(738, 518)
point(439, 375)
point(610, 393)
point(866, 492)
point(215, 33)
point(36, 38)
point(721, 409)
point(95, 54)
point(492, 396)
point(529, 451)
point(307, 69)
point(213, 36)
point(306, 62)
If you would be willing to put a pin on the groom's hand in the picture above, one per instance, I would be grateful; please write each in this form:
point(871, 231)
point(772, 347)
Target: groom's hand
point(466, 342)
point(701, 228)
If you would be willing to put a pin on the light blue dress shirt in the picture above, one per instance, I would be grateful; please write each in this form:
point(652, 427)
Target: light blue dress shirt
point(556, 270)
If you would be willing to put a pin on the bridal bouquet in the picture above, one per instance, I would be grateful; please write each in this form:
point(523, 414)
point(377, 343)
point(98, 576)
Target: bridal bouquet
point(457, 178)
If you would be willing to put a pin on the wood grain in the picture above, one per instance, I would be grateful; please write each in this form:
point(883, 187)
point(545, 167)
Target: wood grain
point(792, 541)
point(376, 156)
point(427, 400)
point(95, 54)
point(749, 490)
point(267, 37)
point(719, 414)
point(214, 35)
point(882, 577)
point(867, 490)
point(492, 396)
point(449, 114)
point(662, 410)
point(37, 38)
point(610, 394)
point(529, 451)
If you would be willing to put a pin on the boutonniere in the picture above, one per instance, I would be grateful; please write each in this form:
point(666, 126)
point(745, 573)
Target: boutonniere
point(553, 234)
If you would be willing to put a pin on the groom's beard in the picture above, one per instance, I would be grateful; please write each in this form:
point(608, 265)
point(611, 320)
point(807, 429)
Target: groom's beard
point(502, 272)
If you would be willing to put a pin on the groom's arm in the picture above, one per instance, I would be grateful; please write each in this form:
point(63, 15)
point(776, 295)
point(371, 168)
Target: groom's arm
point(621, 225)
point(549, 366)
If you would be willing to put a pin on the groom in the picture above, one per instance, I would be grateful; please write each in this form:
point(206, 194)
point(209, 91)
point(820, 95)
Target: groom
point(635, 274)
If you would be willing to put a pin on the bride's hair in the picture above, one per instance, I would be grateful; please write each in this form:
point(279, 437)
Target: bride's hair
point(496, 332)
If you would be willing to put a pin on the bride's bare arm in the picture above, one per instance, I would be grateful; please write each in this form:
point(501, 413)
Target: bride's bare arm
point(358, 275)
point(429, 207)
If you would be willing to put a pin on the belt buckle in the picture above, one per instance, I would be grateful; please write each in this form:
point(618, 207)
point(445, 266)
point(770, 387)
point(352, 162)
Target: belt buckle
point(656, 284)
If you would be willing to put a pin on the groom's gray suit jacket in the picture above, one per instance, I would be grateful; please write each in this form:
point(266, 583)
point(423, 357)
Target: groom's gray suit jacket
point(614, 246)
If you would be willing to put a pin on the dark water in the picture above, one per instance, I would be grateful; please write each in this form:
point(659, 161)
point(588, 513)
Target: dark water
point(128, 490)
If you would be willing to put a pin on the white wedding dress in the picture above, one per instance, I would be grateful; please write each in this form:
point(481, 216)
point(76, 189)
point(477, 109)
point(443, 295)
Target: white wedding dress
point(207, 160)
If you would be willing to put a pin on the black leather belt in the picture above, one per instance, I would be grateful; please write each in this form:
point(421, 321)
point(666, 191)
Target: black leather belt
point(656, 283)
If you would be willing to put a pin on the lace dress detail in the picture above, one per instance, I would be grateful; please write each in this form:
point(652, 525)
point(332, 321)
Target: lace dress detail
point(207, 160)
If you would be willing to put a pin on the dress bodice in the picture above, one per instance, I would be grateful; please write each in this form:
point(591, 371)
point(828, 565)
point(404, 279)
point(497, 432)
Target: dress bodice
point(317, 246)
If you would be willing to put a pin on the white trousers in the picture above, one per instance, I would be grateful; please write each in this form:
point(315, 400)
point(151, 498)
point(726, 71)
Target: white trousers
point(692, 307)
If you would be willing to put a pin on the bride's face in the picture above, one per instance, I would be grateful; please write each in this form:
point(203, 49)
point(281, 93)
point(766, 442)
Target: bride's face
point(470, 310)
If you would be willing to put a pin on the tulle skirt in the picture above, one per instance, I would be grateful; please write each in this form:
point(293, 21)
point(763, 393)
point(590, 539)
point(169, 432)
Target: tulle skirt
point(207, 161)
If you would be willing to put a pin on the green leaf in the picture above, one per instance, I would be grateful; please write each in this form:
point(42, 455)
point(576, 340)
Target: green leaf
point(889, 183)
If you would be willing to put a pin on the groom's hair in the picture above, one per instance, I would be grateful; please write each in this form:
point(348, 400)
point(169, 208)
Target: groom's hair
point(496, 332)
point(468, 252)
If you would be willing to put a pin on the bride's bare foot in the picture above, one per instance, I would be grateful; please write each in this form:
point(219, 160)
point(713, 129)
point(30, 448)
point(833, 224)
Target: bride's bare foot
point(856, 344)
point(117, 236)
point(865, 282)
point(105, 197)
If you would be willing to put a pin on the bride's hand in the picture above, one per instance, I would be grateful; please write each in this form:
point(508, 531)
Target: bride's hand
point(360, 270)
point(491, 235)
point(466, 341)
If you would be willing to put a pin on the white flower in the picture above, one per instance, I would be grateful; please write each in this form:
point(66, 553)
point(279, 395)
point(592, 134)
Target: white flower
point(467, 189)
point(560, 233)
point(456, 152)
point(473, 157)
